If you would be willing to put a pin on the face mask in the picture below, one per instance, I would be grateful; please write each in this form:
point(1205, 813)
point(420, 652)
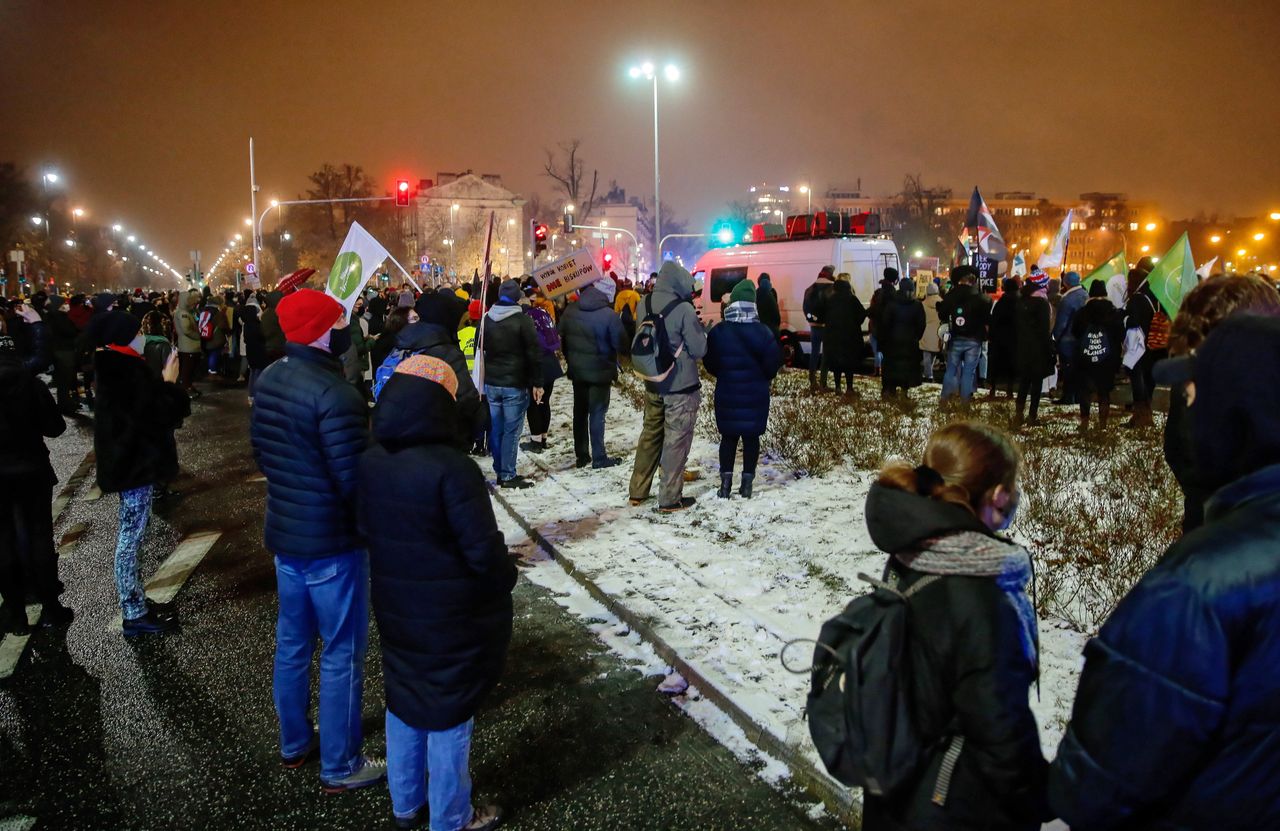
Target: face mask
point(139, 343)
point(1007, 514)
point(339, 341)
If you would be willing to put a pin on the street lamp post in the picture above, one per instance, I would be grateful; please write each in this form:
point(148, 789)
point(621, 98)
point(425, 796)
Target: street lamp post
point(809, 197)
point(649, 71)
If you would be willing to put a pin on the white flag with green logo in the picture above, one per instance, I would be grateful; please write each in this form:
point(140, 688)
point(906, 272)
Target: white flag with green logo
point(356, 262)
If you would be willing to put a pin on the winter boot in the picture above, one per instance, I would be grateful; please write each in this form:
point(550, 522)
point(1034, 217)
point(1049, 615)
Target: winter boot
point(747, 480)
point(726, 485)
point(1104, 410)
point(1018, 415)
point(1084, 424)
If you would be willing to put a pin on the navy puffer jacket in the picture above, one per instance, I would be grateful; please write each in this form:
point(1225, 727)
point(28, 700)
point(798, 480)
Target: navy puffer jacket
point(744, 358)
point(440, 573)
point(1177, 716)
point(308, 429)
point(592, 335)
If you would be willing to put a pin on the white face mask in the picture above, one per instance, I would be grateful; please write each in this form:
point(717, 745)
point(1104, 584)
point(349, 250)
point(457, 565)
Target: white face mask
point(139, 343)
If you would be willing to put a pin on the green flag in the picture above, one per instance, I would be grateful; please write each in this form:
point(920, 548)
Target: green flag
point(1174, 276)
point(1112, 267)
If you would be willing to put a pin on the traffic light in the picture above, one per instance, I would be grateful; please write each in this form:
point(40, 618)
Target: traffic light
point(402, 193)
point(607, 262)
point(539, 233)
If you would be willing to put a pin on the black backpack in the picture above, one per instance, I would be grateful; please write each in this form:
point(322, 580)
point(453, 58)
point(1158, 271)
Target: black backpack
point(652, 357)
point(859, 706)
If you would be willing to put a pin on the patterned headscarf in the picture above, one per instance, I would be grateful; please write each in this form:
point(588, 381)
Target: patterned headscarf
point(432, 369)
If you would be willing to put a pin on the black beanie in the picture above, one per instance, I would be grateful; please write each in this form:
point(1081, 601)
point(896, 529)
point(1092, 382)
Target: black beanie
point(1098, 288)
point(118, 328)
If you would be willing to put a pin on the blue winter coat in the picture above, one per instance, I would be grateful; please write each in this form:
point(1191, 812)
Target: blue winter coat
point(1063, 324)
point(744, 358)
point(308, 429)
point(439, 570)
point(1177, 716)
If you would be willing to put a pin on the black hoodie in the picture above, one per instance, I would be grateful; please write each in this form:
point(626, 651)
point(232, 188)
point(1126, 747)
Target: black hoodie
point(28, 415)
point(440, 574)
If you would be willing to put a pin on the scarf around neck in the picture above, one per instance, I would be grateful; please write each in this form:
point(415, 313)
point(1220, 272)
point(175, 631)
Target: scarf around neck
point(971, 554)
point(742, 311)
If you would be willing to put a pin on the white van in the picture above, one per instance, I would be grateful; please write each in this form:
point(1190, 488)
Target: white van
point(792, 266)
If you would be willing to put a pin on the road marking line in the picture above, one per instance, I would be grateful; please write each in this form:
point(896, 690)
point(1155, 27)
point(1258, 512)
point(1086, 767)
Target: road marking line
point(94, 494)
point(73, 484)
point(173, 573)
point(69, 540)
point(12, 646)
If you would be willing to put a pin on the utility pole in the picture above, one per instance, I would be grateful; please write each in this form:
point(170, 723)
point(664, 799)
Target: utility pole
point(253, 211)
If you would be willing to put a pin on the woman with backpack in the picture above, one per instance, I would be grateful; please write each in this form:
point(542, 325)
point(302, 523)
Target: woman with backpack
point(1147, 339)
point(1099, 337)
point(744, 357)
point(971, 636)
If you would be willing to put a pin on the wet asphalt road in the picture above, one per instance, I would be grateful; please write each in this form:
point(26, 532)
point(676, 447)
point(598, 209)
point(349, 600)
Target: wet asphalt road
point(97, 732)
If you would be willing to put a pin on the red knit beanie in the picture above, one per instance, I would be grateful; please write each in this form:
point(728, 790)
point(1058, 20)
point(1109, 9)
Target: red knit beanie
point(306, 314)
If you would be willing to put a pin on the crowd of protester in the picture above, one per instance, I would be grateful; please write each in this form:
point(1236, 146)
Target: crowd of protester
point(356, 416)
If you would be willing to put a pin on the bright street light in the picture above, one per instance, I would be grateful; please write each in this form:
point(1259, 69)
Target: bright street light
point(117, 227)
point(672, 73)
point(1215, 238)
point(1044, 240)
point(1151, 226)
point(71, 243)
point(919, 253)
point(1275, 215)
point(1146, 248)
point(275, 203)
point(131, 238)
point(248, 222)
point(1259, 236)
point(35, 220)
point(51, 177)
point(78, 212)
point(1241, 253)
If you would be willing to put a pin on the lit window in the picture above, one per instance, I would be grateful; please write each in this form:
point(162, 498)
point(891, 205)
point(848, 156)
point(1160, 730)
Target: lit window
point(1133, 226)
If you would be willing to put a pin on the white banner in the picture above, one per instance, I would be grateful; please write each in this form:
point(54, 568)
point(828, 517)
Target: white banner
point(568, 273)
point(355, 264)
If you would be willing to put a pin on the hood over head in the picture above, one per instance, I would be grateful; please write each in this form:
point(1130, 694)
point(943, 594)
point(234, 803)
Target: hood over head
point(413, 410)
point(901, 521)
point(675, 280)
point(422, 335)
point(592, 299)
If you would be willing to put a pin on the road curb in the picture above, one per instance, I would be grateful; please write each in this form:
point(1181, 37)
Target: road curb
point(837, 798)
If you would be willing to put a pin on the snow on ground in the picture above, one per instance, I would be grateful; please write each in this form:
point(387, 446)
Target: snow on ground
point(728, 584)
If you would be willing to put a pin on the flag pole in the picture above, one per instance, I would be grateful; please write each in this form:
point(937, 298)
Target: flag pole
point(405, 273)
point(478, 374)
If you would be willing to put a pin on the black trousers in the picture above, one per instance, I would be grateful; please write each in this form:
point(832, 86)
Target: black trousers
point(539, 415)
point(28, 562)
point(729, 451)
point(1032, 387)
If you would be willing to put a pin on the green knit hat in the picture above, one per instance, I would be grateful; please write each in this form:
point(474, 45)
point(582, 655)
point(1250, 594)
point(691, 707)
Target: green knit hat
point(744, 290)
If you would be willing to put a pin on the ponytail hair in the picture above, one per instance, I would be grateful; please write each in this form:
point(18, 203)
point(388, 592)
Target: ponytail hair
point(963, 464)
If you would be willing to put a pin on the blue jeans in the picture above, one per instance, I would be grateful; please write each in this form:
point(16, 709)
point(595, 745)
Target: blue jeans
point(415, 756)
point(135, 510)
point(962, 368)
point(507, 406)
point(326, 597)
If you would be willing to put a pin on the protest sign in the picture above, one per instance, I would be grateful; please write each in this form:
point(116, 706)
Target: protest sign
point(567, 273)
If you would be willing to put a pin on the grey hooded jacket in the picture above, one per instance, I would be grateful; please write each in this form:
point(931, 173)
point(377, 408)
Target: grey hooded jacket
point(683, 327)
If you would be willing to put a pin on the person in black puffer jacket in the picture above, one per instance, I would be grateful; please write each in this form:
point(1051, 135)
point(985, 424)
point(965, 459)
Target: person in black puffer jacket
point(592, 336)
point(899, 326)
point(512, 368)
point(1099, 337)
point(255, 344)
point(972, 638)
point(424, 338)
point(1177, 715)
point(441, 579)
point(28, 562)
point(842, 342)
point(135, 452)
point(308, 429)
point(1036, 357)
point(744, 357)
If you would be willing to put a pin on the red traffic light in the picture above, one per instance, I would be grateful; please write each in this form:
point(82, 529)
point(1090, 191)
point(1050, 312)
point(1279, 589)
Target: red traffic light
point(539, 237)
point(540, 232)
point(608, 261)
point(402, 193)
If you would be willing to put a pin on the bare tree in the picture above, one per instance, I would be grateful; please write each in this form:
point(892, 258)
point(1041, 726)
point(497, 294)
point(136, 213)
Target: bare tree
point(568, 170)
